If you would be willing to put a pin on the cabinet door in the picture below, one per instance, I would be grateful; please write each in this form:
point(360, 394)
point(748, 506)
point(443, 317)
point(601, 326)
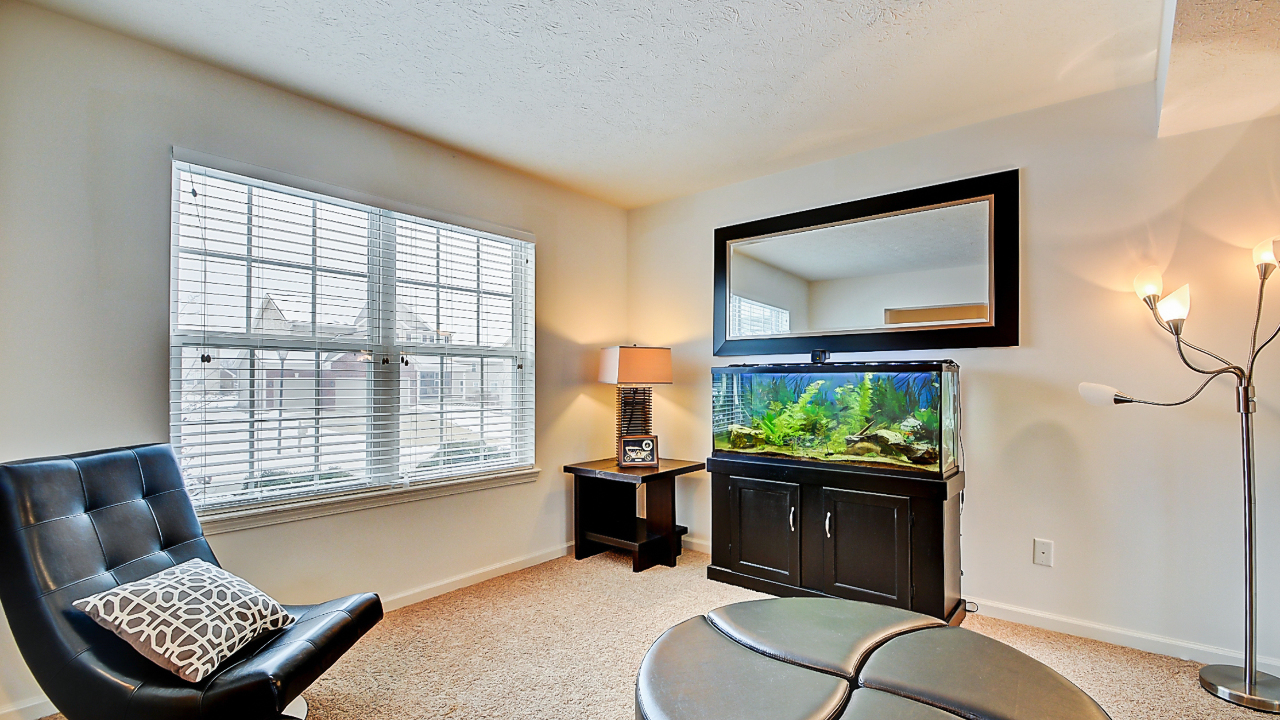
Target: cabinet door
point(764, 529)
point(867, 546)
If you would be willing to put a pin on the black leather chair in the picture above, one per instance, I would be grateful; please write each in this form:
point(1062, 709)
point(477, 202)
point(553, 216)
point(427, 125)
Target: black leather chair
point(77, 525)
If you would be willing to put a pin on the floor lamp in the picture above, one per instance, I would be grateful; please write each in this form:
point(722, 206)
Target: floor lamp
point(1246, 685)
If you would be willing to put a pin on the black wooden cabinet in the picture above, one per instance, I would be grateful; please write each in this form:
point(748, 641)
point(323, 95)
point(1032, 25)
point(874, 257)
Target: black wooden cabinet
point(866, 553)
point(770, 546)
point(792, 528)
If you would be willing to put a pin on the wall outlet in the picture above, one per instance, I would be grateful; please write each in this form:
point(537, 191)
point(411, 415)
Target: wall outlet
point(1042, 552)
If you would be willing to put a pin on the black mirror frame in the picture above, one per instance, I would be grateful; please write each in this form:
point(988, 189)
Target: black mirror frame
point(1002, 332)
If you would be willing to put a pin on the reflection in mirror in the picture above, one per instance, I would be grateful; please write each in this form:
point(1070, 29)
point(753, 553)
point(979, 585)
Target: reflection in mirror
point(922, 268)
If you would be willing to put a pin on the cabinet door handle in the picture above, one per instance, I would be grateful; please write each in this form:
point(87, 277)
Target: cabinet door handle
point(828, 524)
point(791, 518)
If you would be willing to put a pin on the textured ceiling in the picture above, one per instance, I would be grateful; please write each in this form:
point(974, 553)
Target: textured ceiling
point(947, 237)
point(658, 99)
point(1224, 65)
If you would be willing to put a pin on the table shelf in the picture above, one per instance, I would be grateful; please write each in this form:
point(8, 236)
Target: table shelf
point(604, 506)
point(636, 540)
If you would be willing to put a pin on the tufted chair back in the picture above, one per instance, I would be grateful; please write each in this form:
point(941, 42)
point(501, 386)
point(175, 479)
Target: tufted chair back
point(77, 525)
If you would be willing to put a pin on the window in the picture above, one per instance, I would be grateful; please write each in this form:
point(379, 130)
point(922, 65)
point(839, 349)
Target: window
point(322, 346)
point(748, 317)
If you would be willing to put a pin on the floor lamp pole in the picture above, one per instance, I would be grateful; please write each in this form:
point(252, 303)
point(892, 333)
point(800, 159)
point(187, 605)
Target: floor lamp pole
point(1246, 685)
point(1250, 552)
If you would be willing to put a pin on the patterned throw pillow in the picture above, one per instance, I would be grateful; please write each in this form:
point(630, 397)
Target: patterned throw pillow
point(188, 618)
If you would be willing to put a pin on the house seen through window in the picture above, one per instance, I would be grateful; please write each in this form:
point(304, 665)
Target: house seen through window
point(322, 346)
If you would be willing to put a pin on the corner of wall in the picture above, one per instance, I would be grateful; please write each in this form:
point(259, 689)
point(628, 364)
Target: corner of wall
point(1164, 49)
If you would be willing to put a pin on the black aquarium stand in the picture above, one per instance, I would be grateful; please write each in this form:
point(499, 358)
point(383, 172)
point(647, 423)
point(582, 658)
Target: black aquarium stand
point(604, 510)
point(817, 530)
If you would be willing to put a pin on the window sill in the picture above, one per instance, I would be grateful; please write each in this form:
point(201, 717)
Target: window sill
point(225, 520)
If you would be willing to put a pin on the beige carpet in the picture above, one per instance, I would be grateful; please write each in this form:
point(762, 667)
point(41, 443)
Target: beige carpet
point(563, 640)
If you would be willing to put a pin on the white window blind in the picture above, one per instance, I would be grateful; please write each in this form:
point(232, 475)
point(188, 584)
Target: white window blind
point(748, 317)
point(324, 346)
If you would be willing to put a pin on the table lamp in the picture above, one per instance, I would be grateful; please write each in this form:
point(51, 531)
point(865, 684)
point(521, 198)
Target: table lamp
point(635, 370)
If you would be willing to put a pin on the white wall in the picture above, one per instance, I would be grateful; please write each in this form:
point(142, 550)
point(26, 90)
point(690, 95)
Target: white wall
point(774, 286)
point(87, 118)
point(860, 302)
point(1143, 503)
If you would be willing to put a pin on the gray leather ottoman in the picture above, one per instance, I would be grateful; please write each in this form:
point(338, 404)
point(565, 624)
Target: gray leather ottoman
point(827, 659)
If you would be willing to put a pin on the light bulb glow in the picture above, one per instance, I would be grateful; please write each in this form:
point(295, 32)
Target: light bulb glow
point(1264, 253)
point(1095, 394)
point(1148, 283)
point(1177, 305)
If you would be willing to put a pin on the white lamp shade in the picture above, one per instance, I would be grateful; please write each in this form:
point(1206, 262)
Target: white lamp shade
point(632, 365)
point(1264, 253)
point(1096, 394)
point(1177, 305)
point(1148, 283)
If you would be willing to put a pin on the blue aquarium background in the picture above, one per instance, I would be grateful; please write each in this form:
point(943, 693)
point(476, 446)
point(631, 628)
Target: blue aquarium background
point(903, 420)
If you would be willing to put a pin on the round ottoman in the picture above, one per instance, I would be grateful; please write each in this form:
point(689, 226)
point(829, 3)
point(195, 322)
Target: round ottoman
point(829, 659)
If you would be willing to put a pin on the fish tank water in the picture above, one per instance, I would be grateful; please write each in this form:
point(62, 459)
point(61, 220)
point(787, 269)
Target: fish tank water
point(900, 416)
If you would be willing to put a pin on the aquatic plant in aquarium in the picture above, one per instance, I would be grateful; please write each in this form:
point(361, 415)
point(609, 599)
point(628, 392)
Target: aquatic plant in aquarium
point(900, 416)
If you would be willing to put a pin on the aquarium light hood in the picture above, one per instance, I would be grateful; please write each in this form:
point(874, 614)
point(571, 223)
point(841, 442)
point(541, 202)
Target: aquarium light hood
point(829, 366)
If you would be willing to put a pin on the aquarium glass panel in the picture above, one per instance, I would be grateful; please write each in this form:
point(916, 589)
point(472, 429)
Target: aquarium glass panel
point(895, 420)
point(950, 410)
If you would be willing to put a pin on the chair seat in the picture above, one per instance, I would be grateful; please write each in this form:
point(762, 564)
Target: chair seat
point(272, 671)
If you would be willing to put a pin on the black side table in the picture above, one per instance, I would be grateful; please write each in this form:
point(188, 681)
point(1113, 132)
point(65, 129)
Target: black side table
point(604, 510)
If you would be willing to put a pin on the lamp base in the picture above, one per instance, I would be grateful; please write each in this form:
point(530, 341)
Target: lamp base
point(635, 417)
point(635, 410)
point(1227, 682)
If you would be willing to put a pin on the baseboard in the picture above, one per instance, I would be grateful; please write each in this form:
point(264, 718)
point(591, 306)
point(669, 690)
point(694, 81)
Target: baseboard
point(28, 709)
point(418, 594)
point(697, 544)
point(1184, 649)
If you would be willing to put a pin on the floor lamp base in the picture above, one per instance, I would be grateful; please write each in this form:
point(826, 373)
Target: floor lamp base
point(1227, 682)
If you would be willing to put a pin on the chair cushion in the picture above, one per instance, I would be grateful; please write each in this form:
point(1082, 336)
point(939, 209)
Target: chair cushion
point(868, 704)
point(188, 618)
point(693, 672)
point(974, 676)
point(824, 634)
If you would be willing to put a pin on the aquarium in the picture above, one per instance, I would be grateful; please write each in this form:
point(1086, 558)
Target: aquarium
point(901, 416)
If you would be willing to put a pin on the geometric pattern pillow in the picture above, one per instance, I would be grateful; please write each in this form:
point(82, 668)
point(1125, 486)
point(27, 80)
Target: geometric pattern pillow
point(187, 619)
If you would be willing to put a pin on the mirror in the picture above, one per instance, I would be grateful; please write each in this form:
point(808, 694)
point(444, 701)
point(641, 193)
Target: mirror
point(926, 268)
